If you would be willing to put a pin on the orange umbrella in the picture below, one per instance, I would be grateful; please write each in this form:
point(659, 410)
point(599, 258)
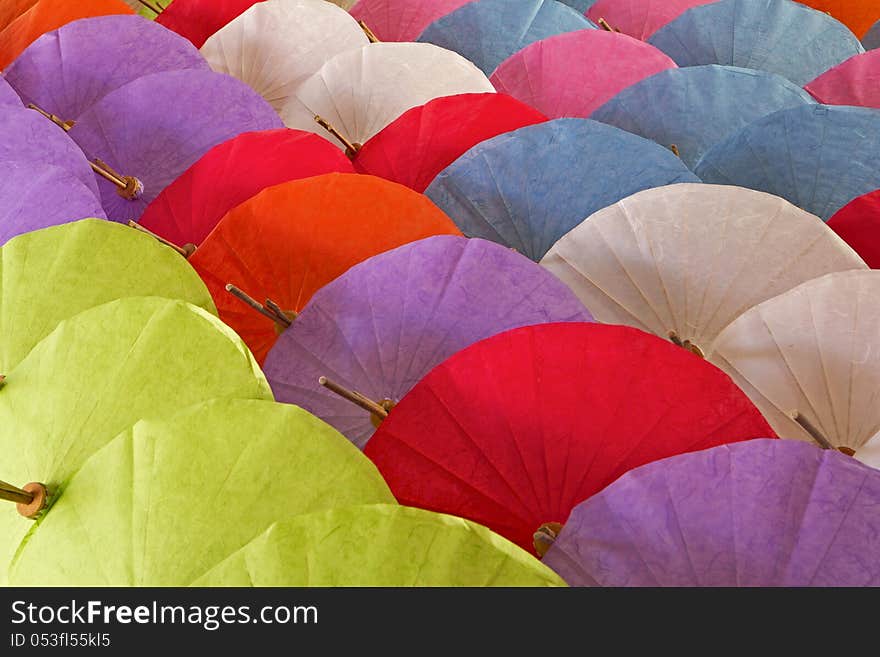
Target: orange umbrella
point(45, 16)
point(292, 239)
point(12, 9)
point(857, 15)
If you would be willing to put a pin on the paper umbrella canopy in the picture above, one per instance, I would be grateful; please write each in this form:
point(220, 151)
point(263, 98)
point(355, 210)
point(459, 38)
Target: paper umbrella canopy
point(99, 372)
point(686, 260)
point(385, 323)
point(53, 274)
point(755, 513)
point(479, 439)
point(132, 513)
point(808, 358)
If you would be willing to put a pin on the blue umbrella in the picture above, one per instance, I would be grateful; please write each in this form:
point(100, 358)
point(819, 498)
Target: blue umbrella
point(580, 5)
point(27, 137)
point(777, 36)
point(871, 40)
point(819, 157)
point(696, 107)
point(489, 31)
point(527, 188)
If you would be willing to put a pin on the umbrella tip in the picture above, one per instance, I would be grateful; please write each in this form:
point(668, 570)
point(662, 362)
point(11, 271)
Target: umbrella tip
point(2, 380)
point(322, 380)
point(39, 501)
point(545, 537)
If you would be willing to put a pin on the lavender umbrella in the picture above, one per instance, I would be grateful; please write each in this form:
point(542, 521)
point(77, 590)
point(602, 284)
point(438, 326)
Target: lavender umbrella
point(153, 129)
point(755, 513)
point(384, 324)
point(70, 69)
point(8, 95)
point(25, 136)
point(37, 197)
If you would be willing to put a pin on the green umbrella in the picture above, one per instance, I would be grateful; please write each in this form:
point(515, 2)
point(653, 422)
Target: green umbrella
point(100, 372)
point(169, 499)
point(52, 274)
point(380, 545)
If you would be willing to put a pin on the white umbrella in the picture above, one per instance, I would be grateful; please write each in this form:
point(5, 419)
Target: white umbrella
point(275, 45)
point(359, 92)
point(814, 350)
point(687, 259)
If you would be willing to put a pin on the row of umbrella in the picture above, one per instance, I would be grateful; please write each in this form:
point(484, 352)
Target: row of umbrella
point(469, 370)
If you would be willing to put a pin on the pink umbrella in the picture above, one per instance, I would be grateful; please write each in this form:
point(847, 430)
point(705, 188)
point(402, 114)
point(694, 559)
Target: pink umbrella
point(640, 18)
point(402, 20)
point(854, 82)
point(573, 74)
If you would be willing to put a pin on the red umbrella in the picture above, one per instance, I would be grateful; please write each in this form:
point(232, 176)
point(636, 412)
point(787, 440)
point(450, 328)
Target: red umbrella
point(231, 173)
point(425, 140)
point(858, 223)
point(516, 430)
point(199, 19)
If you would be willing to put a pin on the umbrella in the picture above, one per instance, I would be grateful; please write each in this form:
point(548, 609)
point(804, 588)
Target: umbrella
point(423, 141)
point(197, 20)
point(857, 15)
point(809, 359)
point(855, 82)
point(68, 70)
point(819, 157)
point(777, 36)
point(526, 189)
point(384, 324)
point(401, 20)
point(871, 41)
point(47, 15)
point(8, 97)
point(573, 74)
point(698, 106)
point(756, 513)
point(200, 109)
point(489, 31)
point(516, 430)
point(144, 510)
point(231, 173)
point(52, 274)
point(640, 18)
point(379, 545)
point(359, 92)
point(102, 370)
point(275, 45)
point(290, 240)
point(29, 139)
point(686, 260)
point(858, 223)
point(36, 195)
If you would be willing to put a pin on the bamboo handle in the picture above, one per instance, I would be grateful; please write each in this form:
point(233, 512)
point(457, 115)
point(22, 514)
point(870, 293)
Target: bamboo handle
point(356, 398)
point(279, 317)
point(372, 38)
point(350, 149)
point(811, 429)
point(185, 251)
point(29, 501)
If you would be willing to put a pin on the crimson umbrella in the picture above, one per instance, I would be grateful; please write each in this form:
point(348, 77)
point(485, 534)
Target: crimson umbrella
point(153, 129)
point(68, 70)
point(858, 223)
point(198, 19)
point(385, 323)
point(854, 82)
point(426, 139)
point(231, 173)
point(755, 513)
point(516, 430)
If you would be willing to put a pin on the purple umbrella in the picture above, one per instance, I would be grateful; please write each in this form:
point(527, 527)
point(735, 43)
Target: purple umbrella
point(153, 129)
point(67, 71)
point(384, 324)
point(755, 513)
point(25, 136)
point(8, 95)
point(34, 197)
